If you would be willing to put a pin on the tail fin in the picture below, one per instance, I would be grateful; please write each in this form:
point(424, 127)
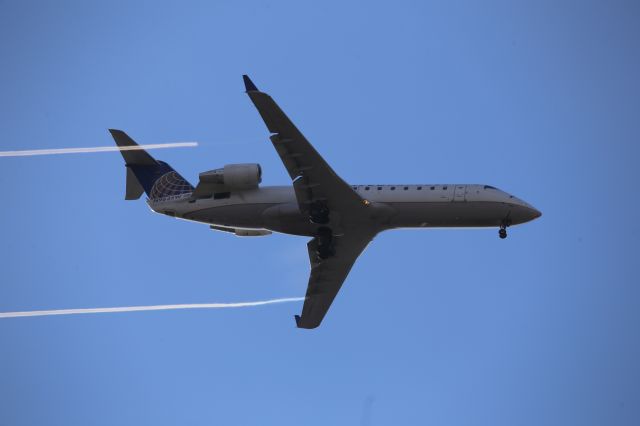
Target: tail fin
point(144, 173)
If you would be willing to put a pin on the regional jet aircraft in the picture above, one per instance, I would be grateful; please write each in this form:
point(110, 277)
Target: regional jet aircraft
point(342, 219)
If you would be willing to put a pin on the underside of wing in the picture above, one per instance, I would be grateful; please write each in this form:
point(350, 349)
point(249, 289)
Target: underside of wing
point(327, 276)
point(320, 192)
point(314, 181)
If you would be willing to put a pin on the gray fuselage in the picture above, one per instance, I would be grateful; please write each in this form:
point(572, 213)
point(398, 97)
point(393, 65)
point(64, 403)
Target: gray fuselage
point(275, 208)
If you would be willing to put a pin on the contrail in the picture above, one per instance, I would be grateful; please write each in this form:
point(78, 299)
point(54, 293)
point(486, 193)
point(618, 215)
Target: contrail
point(147, 308)
point(94, 149)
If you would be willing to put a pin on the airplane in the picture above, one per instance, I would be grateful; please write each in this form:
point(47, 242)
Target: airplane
point(340, 218)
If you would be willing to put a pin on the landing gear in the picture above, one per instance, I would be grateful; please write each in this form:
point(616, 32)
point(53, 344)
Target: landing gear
point(502, 233)
point(324, 248)
point(319, 213)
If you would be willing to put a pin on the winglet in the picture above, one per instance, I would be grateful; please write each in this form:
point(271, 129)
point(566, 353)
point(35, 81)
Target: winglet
point(301, 324)
point(248, 84)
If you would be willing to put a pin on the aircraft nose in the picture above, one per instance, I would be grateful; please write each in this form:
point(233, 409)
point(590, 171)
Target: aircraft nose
point(535, 213)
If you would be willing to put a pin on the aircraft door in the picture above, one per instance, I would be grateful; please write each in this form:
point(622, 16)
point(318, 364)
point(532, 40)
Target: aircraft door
point(459, 194)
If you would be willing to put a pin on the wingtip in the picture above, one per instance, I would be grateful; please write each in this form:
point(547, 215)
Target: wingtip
point(300, 324)
point(248, 84)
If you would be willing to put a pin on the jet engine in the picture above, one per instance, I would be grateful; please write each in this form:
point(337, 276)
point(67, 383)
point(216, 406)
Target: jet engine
point(234, 176)
point(242, 176)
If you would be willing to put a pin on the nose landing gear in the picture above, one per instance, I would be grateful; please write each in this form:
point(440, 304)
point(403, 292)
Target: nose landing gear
point(502, 233)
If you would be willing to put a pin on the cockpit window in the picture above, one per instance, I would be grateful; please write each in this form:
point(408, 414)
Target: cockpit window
point(490, 187)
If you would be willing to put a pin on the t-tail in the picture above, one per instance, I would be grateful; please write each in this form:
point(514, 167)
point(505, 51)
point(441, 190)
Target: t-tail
point(146, 174)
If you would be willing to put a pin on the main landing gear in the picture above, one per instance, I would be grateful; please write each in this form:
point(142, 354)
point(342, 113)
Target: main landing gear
point(319, 213)
point(324, 247)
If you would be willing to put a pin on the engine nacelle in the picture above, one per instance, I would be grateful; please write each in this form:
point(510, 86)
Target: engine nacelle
point(242, 176)
point(232, 177)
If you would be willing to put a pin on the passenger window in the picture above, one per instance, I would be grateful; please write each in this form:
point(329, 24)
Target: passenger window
point(433, 187)
point(419, 188)
point(379, 188)
point(406, 187)
point(392, 188)
point(366, 188)
point(444, 188)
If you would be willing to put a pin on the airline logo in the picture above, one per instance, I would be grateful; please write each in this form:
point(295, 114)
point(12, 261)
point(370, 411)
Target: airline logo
point(170, 184)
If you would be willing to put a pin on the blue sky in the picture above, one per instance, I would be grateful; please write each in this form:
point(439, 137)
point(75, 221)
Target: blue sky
point(455, 327)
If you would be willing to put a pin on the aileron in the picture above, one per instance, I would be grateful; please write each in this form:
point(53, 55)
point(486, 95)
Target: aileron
point(327, 276)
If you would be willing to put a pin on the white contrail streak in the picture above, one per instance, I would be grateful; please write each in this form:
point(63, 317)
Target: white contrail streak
point(94, 149)
point(147, 308)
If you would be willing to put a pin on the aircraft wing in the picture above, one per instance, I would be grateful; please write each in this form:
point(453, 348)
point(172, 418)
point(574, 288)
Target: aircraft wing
point(313, 179)
point(327, 276)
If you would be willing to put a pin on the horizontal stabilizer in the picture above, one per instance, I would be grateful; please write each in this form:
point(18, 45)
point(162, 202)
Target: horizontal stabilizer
point(134, 189)
point(134, 157)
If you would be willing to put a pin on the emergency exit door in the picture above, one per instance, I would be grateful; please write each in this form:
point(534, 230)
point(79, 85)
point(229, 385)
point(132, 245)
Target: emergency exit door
point(459, 194)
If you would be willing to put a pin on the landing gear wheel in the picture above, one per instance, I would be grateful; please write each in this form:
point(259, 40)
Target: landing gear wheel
point(326, 253)
point(325, 248)
point(319, 213)
point(506, 222)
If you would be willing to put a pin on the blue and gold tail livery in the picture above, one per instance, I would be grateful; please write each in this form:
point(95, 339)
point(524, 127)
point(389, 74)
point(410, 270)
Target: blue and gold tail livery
point(146, 174)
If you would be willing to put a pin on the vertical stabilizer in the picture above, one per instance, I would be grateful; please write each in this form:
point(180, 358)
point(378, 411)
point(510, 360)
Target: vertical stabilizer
point(144, 173)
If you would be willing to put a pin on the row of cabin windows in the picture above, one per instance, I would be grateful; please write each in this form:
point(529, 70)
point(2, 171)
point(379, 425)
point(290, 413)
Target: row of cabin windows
point(406, 188)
